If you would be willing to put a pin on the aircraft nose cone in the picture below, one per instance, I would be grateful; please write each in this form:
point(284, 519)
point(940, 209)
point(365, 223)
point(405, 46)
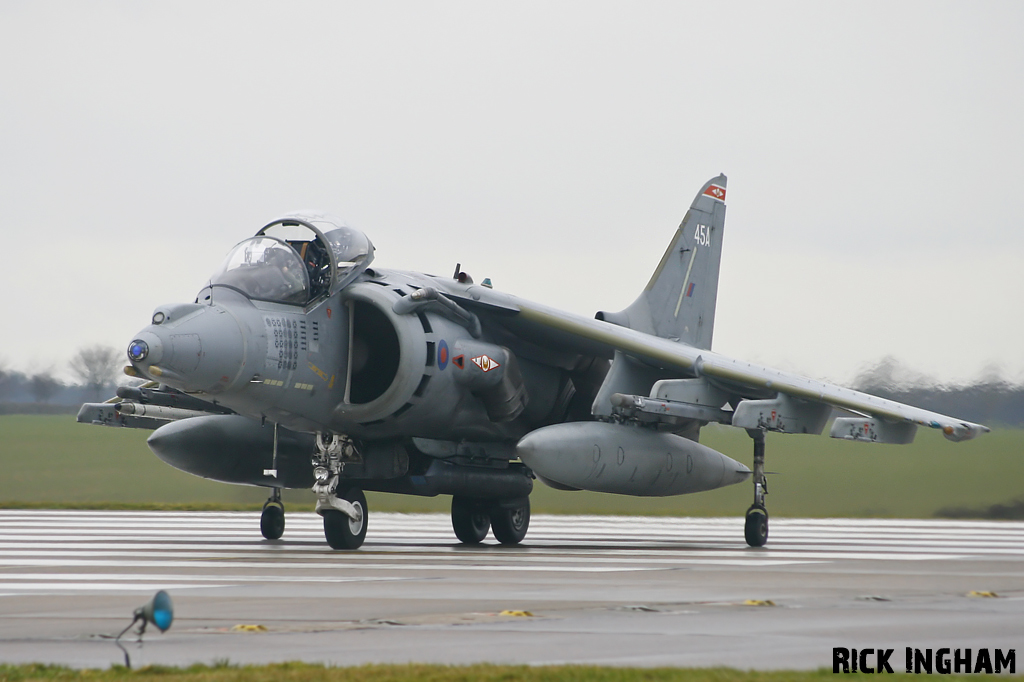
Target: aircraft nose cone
point(201, 350)
point(146, 349)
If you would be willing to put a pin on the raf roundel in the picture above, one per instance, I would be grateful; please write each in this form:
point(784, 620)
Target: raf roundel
point(442, 354)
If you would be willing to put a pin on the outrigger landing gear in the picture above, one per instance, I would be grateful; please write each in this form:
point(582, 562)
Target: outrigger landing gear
point(345, 515)
point(272, 519)
point(756, 527)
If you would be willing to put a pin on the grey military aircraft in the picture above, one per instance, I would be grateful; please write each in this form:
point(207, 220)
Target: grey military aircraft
point(301, 366)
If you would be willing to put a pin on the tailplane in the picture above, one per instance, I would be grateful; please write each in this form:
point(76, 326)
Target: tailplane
point(679, 301)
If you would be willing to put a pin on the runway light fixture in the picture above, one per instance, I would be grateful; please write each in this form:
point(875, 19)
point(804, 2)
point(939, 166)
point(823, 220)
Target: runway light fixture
point(159, 611)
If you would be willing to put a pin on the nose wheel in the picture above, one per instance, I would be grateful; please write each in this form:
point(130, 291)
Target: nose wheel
point(755, 529)
point(272, 519)
point(345, 514)
point(346, 529)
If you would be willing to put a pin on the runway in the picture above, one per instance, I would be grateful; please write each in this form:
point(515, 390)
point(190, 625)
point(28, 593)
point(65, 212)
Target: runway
point(601, 590)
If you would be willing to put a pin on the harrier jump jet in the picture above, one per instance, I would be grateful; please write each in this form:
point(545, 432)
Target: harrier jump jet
point(299, 365)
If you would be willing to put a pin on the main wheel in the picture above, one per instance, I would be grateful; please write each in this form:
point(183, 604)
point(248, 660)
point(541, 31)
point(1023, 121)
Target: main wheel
point(341, 531)
point(470, 520)
point(756, 527)
point(272, 520)
point(511, 521)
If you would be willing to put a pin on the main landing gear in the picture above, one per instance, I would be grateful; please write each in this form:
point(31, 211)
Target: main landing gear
point(344, 515)
point(508, 519)
point(272, 519)
point(756, 527)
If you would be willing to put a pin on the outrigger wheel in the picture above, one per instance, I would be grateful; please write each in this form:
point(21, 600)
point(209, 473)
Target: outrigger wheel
point(272, 519)
point(341, 531)
point(756, 527)
point(469, 520)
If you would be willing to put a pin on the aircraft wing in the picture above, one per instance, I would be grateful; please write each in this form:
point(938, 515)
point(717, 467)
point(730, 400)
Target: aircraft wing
point(557, 329)
point(660, 347)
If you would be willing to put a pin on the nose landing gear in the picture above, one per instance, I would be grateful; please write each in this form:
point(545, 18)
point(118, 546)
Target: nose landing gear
point(345, 515)
point(341, 530)
point(756, 527)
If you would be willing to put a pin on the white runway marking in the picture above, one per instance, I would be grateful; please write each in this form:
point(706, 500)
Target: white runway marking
point(90, 551)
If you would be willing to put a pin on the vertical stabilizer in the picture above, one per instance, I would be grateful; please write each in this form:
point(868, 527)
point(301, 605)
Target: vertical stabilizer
point(679, 301)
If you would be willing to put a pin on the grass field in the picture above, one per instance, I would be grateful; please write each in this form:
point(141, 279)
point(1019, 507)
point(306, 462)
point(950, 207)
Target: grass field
point(300, 672)
point(50, 460)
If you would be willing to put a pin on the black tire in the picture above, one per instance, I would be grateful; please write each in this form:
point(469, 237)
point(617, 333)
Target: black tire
point(756, 527)
point(272, 521)
point(341, 531)
point(470, 520)
point(510, 521)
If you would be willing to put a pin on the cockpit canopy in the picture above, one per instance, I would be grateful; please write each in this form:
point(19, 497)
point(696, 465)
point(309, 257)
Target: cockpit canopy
point(266, 269)
point(296, 259)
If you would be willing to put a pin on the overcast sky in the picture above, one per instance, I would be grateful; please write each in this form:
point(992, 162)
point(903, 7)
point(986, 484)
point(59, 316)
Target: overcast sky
point(874, 154)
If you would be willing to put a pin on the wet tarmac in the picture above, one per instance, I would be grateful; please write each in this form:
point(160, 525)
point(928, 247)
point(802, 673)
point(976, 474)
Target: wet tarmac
point(596, 590)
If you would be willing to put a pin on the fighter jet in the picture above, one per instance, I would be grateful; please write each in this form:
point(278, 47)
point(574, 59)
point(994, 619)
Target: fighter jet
point(302, 365)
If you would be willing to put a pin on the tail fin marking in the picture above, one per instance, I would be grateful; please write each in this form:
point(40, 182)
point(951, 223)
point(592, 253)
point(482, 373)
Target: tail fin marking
point(678, 302)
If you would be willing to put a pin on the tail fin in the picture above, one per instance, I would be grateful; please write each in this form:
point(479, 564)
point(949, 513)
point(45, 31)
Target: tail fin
point(679, 301)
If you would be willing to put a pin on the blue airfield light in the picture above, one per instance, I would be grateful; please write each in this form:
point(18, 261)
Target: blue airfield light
point(159, 611)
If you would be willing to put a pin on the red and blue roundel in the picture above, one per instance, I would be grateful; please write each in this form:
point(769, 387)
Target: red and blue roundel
point(442, 354)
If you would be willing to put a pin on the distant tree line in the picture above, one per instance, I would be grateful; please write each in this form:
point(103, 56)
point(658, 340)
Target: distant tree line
point(992, 401)
point(97, 367)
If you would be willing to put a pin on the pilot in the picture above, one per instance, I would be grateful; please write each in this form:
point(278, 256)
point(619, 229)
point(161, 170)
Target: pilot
point(287, 266)
point(317, 267)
